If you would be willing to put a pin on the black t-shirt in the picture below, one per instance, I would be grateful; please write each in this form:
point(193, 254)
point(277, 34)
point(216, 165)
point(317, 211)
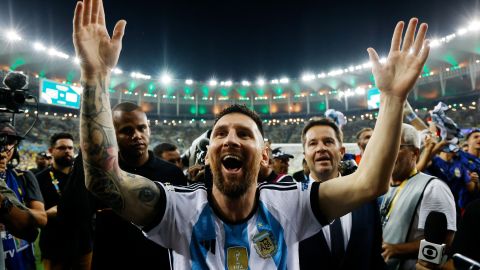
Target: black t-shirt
point(46, 180)
point(51, 234)
point(467, 237)
point(120, 245)
point(30, 184)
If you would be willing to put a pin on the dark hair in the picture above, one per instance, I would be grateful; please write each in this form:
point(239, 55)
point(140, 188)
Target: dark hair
point(357, 136)
point(58, 136)
point(126, 107)
point(163, 147)
point(475, 130)
point(237, 108)
point(321, 121)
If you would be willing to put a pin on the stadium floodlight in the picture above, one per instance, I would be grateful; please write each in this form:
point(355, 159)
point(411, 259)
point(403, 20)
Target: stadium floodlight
point(383, 60)
point(52, 51)
point(351, 68)
point(308, 77)
point(13, 36)
point(212, 82)
point(166, 78)
point(245, 83)
point(117, 71)
point(188, 81)
point(274, 81)
point(360, 91)
point(435, 43)
point(341, 94)
point(228, 83)
point(284, 80)
point(321, 75)
point(474, 26)
point(38, 46)
point(76, 60)
point(261, 82)
point(138, 75)
point(367, 64)
point(334, 73)
point(462, 31)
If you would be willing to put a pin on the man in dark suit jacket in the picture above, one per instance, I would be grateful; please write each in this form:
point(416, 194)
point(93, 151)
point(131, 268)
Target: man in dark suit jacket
point(352, 241)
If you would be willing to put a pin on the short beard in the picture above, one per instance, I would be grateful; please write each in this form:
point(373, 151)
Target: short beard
point(64, 162)
point(238, 187)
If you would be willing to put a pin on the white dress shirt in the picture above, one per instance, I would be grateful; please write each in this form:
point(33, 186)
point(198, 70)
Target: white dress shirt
point(346, 221)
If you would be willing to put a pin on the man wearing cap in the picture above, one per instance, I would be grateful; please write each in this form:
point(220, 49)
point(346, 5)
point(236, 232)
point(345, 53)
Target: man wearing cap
point(280, 161)
point(42, 160)
point(267, 173)
point(21, 206)
point(411, 197)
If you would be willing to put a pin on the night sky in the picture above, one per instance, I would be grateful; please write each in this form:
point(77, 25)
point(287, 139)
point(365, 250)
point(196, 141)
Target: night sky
point(240, 39)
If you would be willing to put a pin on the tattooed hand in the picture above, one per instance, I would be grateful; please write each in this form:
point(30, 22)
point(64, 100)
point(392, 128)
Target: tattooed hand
point(98, 53)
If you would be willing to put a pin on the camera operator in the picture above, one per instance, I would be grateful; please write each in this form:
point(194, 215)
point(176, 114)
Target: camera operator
point(21, 205)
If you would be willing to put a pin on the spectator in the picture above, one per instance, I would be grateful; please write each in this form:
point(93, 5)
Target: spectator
point(405, 207)
point(302, 175)
point(21, 208)
point(354, 240)
point(133, 136)
point(168, 152)
point(363, 136)
point(52, 182)
point(267, 174)
point(43, 160)
point(280, 161)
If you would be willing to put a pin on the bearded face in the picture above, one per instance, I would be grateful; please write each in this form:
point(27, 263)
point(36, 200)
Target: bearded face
point(235, 154)
point(63, 153)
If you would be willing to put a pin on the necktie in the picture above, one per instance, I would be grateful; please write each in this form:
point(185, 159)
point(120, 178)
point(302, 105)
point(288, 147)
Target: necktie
point(336, 241)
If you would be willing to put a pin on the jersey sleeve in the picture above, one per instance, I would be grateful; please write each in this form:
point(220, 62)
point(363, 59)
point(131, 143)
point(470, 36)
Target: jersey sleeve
point(437, 197)
point(296, 206)
point(176, 210)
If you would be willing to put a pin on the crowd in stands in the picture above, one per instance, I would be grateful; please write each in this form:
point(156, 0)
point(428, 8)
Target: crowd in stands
point(183, 134)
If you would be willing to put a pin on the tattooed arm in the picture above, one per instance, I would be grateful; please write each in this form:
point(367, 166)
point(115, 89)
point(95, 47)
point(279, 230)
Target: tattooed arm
point(133, 197)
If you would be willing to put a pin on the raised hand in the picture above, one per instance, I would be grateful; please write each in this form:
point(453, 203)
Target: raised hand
point(397, 76)
point(98, 52)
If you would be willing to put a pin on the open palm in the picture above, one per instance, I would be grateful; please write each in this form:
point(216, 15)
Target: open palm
point(399, 73)
point(98, 52)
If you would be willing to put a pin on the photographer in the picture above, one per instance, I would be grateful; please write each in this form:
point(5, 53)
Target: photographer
point(18, 190)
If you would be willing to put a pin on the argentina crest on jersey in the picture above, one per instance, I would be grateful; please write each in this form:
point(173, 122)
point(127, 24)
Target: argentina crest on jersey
point(265, 244)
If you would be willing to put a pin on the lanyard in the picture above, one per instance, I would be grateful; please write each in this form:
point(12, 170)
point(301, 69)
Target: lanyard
point(388, 205)
point(55, 183)
point(395, 197)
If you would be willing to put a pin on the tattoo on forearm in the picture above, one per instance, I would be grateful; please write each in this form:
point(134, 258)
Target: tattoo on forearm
point(103, 185)
point(122, 191)
point(99, 145)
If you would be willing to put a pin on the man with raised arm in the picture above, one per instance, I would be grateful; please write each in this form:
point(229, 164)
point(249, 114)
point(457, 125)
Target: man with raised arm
point(234, 224)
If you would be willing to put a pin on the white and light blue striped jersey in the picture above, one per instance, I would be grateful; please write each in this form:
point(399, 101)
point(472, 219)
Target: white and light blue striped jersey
point(285, 213)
